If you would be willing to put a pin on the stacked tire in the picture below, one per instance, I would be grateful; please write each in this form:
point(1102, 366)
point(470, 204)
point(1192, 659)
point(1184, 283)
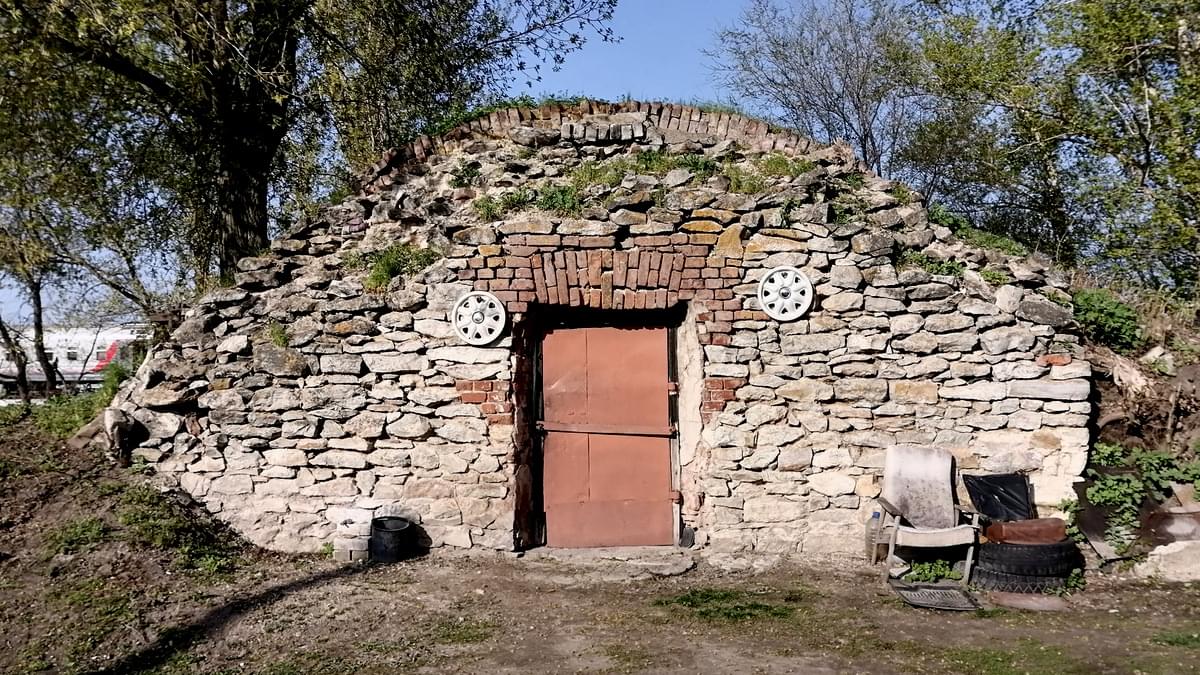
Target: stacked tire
point(1026, 568)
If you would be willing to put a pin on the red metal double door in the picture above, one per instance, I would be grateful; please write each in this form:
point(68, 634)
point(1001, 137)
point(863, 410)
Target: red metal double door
point(607, 444)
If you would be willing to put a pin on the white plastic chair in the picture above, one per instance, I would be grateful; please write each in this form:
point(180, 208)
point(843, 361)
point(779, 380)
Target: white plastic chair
point(918, 495)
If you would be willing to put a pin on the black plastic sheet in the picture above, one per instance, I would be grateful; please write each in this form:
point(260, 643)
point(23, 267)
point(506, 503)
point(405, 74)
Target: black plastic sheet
point(1001, 496)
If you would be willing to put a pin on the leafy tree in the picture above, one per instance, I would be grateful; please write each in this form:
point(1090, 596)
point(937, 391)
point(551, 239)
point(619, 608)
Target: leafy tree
point(1073, 126)
point(238, 89)
point(828, 69)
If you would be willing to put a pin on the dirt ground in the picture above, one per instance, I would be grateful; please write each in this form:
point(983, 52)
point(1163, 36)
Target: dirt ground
point(102, 598)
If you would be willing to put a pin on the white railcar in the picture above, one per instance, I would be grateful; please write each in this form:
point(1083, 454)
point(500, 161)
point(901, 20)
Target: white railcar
point(80, 355)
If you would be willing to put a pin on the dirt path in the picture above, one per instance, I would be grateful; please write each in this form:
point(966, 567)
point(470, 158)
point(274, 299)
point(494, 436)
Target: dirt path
point(108, 599)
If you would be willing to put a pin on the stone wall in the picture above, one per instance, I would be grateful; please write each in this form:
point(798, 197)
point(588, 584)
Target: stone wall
point(297, 405)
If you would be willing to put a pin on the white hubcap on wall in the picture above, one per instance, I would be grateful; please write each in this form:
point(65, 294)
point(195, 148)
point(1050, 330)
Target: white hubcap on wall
point(785, 293)
point(478, 317)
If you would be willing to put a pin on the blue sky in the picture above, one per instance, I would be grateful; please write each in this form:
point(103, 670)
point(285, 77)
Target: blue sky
point(658, 58)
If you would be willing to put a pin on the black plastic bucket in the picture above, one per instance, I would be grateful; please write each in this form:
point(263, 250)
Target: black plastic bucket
point(392, 539)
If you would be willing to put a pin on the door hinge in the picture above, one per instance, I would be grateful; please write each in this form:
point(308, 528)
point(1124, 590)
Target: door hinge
point(676, 496)
point(672, 388)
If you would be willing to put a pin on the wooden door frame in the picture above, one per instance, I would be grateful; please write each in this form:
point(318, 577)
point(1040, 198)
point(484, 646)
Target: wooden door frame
point(542, 318)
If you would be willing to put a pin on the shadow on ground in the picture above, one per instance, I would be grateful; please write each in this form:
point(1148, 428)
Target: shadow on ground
point(178, 639)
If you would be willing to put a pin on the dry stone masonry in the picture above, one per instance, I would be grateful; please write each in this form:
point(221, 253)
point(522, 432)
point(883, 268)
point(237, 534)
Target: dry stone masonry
point(297, 404)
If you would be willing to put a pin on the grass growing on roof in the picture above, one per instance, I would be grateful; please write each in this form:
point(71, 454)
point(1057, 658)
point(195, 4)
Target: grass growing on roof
point(562, 200)
point(948, 268)
point(395, 260)
point(777, 164)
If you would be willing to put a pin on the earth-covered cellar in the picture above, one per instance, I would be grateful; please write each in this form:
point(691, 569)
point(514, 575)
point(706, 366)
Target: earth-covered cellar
point(547, 327)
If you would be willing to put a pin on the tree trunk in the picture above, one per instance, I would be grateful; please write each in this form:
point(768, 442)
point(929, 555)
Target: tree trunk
point(49, 369)
point(20, 361)
point(243, 174)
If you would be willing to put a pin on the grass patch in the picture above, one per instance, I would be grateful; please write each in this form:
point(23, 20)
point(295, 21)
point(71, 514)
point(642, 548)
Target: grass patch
point(562, 200)
point(777, 164)
point(725, 605)
point(152, 520)
point(489, 208)
point(990, 613)
point(12, 415)
point(1029, 656)
point(101, 608)
point(995, 277)
point(726, 107)
point(1178, 639)
point(989, 240)
point(742, 181)
point(77, 536)
point(653, 162)
point(385, 265)
point(948, 268)
point(463, 631)
point(903, 194)
point(465, 174)
point(277, 334)
point(61, 416)
point(856, 181)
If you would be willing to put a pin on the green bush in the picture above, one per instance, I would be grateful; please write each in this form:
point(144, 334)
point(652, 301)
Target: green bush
point(560, 199)
point(940, 215)
point(396, 260)
point(1145, 474)
point(1106, 320)
point(935, 570)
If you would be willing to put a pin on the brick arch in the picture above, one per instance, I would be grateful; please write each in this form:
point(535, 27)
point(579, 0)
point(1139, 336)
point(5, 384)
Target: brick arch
point(559, 119)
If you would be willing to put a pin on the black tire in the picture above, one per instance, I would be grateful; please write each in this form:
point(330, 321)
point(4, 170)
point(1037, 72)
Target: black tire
point(1014, 583)
point(1033, 560)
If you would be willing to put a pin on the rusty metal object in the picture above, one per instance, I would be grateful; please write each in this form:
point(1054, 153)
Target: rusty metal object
point(607, 448)
point(1034, 531)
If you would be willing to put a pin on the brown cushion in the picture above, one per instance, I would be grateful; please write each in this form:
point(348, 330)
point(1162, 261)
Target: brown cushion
point(1035, 531)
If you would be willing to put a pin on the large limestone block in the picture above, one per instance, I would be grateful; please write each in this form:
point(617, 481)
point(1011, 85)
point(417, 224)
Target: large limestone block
point(806, 390)
point(812, 344)
point(1006, 339)
point(913, 391)
point(860, 389)
point(978, 391)
point(777, 435)
point(832, 483)
point(1178, 561)
point(279, 361)
point(1051, 390)
point(395, 363)
point(773, 509)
